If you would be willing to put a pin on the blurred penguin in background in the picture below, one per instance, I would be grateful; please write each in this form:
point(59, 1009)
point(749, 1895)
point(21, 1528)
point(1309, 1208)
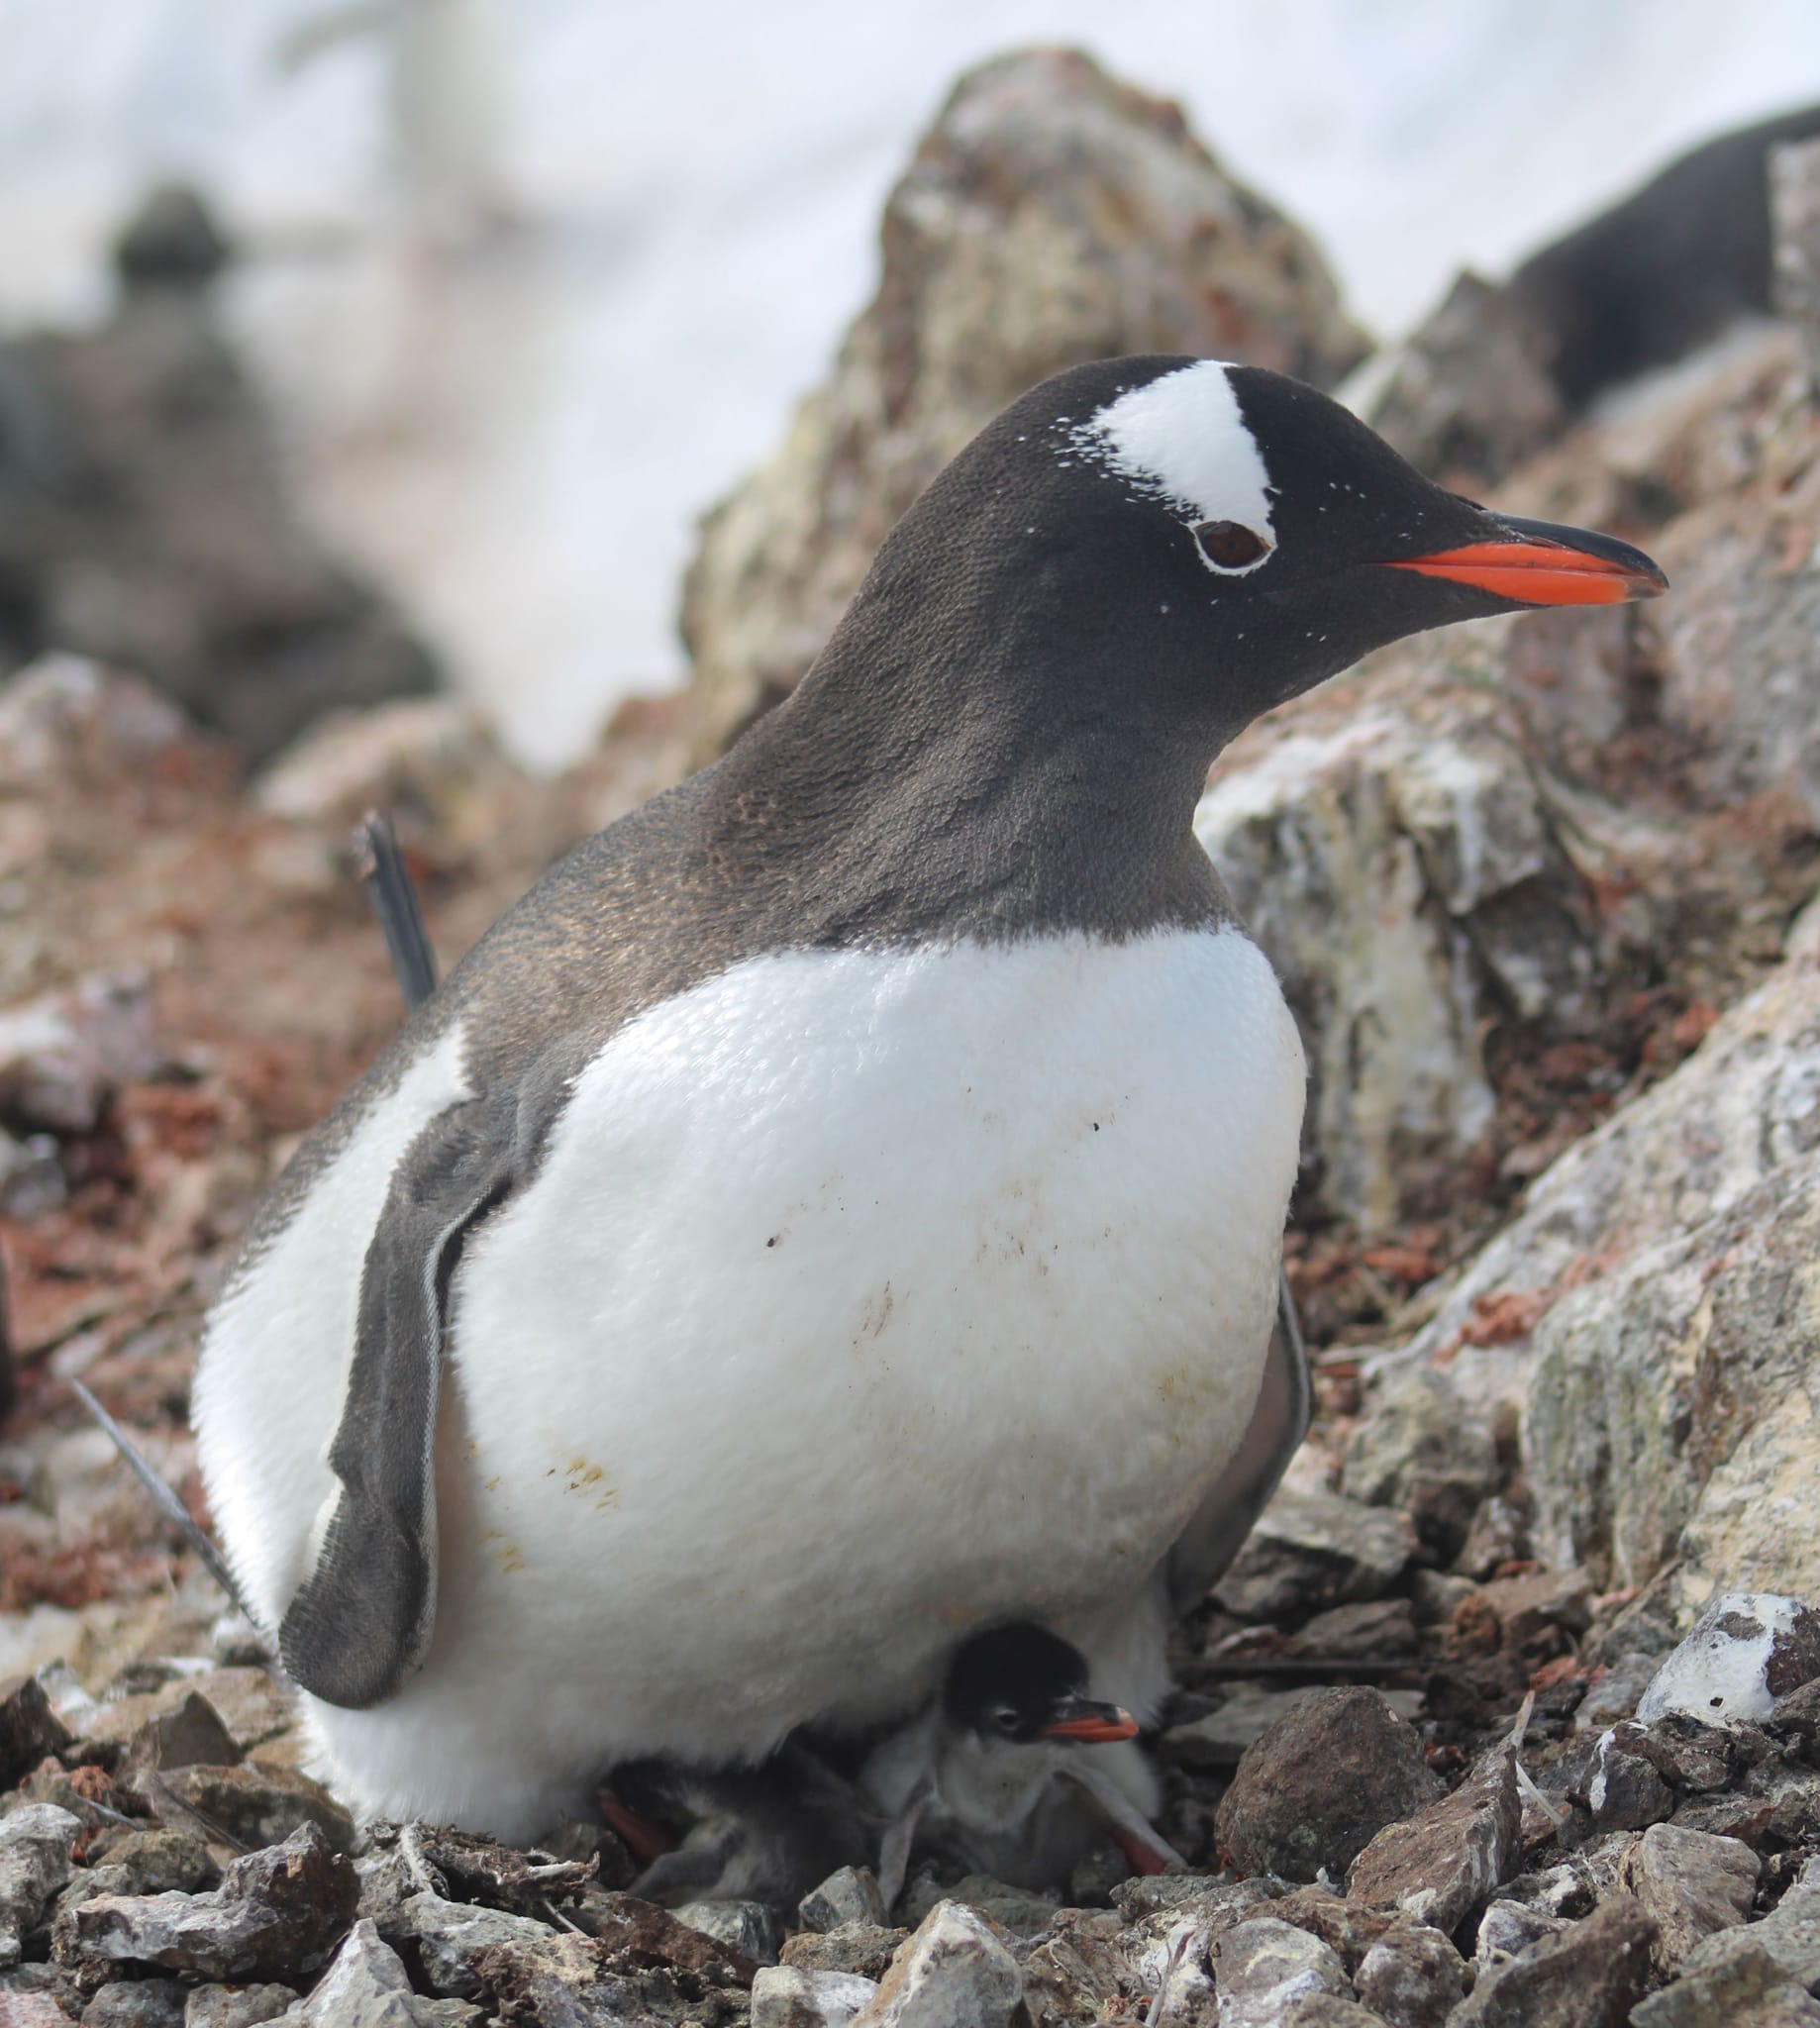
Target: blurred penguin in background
point(448, 65)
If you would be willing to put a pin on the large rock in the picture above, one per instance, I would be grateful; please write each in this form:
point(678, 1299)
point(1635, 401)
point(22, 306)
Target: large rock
point(1314, 1791)
point(1051, 215)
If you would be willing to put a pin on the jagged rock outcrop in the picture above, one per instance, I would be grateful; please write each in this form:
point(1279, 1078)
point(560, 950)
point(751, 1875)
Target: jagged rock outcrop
point(1050, 215)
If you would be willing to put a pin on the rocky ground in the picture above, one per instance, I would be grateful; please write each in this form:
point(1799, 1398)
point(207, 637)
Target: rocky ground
point(1452, 1741)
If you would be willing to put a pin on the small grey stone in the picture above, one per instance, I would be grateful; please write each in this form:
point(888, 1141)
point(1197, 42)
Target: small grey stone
point(1436, 1594)
point(190, 1735)
point(749, 1927)
point(1591, 1976)
point(1418, 1446)
point(1412, 1975)
point(1789, 1934)
point(1508, 1928)
point(1329, 2010)
point(1692, 1884)
point(1311, 1549)
point(365, 1986)
point(848, 1895)
point(235, 2006)
point(1440, 1864)
point(1374, 1629)
point(449, 1934)
point(1623, 1791)
point(953, 1973)
point(1745, 1988)
point(1015, 1910)
point(280, 1911)
point(135, 2003)
point(789, 1996)
point(258, 1806)
point(35, 1842)
point(1157, 1893)
point(142, 1862)
point(861, 1946)
point(1315, 1790)
point(1264, 1967)
point(1556, 1890)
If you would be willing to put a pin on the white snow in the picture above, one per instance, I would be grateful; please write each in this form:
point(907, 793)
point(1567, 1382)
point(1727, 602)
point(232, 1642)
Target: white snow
point(519, 438)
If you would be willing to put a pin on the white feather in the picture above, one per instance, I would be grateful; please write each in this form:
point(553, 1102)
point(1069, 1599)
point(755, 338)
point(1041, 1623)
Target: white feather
point(1182, 438)
point(860, 1298)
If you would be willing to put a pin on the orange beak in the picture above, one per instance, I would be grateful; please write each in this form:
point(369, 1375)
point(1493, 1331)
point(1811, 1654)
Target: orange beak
point(1545, 564)
point(1094, 1724)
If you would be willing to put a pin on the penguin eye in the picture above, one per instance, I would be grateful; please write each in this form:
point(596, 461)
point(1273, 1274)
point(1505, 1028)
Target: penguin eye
point(1228, 544)
point(1004, 1718)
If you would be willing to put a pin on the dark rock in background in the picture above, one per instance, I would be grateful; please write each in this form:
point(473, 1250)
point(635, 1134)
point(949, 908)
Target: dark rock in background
point(145, 518)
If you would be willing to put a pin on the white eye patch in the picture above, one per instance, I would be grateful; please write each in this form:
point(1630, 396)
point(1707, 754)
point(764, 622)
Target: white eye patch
point(1183, 438)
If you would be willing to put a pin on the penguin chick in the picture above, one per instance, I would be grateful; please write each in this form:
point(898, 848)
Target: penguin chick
point(755, 1834)
point(993, 1772)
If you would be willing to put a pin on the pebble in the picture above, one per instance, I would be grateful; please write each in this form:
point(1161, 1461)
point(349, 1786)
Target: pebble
point(137, 2004)
point(258, 1806)
point(1440, 1864)
point(1747, 1990)
point(749, 1927)
point(63, 1055)
point(235, 2006)
point(1313, 1791)
point(1591, 1976)
point(848, 1896)
point(189, 1735)
point(956, 1971)
point(1744, 1652)
point(1623, 1790)
point(1412, 1975)
point(1312, 1550)
point(1508, 1928)
point(1790, 1933)
point(448, 1935)
point(1264, 1967)
point(861, 1946)
point(36, 1843)
point(277, 1912)
point(1378, 1628)
point(1692, 1884)
point(1015, 1910)
point(1420, 1448)
point(790, 1997)
point(365, 1986)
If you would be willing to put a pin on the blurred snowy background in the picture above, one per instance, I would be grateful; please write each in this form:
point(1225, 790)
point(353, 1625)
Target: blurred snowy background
point(515, 428)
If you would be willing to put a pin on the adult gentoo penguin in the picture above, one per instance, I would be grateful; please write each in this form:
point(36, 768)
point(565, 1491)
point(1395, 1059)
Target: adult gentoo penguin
point(839, 1206)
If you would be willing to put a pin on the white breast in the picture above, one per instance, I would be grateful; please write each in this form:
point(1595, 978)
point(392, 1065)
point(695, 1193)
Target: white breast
point(860, 1297)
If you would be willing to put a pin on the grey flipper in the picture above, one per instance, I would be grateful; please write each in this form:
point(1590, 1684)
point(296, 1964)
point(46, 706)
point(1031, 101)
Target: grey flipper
point(1243, 1490)
point(362, 1619)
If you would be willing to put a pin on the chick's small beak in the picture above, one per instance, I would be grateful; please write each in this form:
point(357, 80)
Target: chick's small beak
point(1543, 563)
point(1097, 1724)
